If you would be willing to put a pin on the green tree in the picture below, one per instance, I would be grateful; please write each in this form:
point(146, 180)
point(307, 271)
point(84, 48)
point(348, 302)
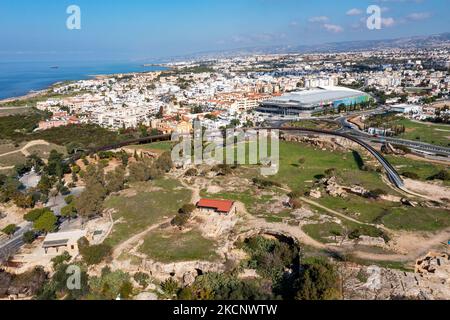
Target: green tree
point(29, 237)
point(9, 230)
point(23, 200)
point(115, 180)
point(46, 222)
point(164, 162)
point(35, 214)
point(94, 254)
point(138, 172)
point(170, 287)
point(45, 184)
point(69, 211)
point(318, 280)
point(142, 278)
point(90, 202)
point(56, 165)
point(110, 285)
point(126, 290)
point(69, 199)
point(58, 260)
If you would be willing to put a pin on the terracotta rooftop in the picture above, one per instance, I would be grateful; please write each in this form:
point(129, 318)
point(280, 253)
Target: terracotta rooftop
point(219, 205)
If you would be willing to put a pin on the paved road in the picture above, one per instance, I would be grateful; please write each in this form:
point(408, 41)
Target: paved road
point(352, 129)
point(392, 173)
point(10, 246)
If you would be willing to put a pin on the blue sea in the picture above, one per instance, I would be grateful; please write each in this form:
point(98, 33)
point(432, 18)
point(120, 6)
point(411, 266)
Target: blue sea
point(19, 78)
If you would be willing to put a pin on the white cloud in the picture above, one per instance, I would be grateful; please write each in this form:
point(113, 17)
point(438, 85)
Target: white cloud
point(319, 19)
point(354, 12)
point(333, 28)
point(419, 16)
point(387, 22)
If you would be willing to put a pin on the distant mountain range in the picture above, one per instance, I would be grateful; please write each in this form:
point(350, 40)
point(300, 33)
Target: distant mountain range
point(431, 41)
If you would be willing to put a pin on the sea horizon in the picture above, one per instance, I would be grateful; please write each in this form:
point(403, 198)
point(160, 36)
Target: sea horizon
point(19, 78)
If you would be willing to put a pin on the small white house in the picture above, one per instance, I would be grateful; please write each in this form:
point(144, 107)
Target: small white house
point(56, 243)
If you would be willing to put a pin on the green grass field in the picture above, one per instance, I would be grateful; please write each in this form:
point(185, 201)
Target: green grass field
point(158, 146)
point(429, 133)
point(390, 214)
point(417, 219)
point(321, 232)
point(152, 202)
point(175, 246)
point(314, 124)
point(423, 169)
point(300, 176)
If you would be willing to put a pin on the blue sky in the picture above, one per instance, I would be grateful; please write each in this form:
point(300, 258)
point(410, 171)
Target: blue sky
point(143, 29)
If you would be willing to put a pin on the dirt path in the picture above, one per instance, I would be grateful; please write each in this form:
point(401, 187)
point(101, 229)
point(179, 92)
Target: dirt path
point(343, 216)
point(294, 231)
point(411, 245)
point(415, 246)
point(24, 149)
point(128, 245)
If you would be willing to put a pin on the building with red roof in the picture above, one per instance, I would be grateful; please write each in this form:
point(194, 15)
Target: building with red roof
point(219, 206)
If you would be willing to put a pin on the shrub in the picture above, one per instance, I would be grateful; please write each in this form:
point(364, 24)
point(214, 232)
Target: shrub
point(191, 173)
point(296, 204)
point(95, 254)
point(69, 199)
point(170, 287)
point(164, 162)
point(410, 175)
point(264, 183)
point(126, 290)
point(443, 175)
point(29, 237)
point(142, 278)
point(187, 209)
point(222, 169)
point(318, 280)
point(180, 220)
point(65, 257)
point(375, 194)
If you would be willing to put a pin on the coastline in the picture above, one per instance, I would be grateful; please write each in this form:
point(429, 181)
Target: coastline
point(41, 92)
point(29, 95)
